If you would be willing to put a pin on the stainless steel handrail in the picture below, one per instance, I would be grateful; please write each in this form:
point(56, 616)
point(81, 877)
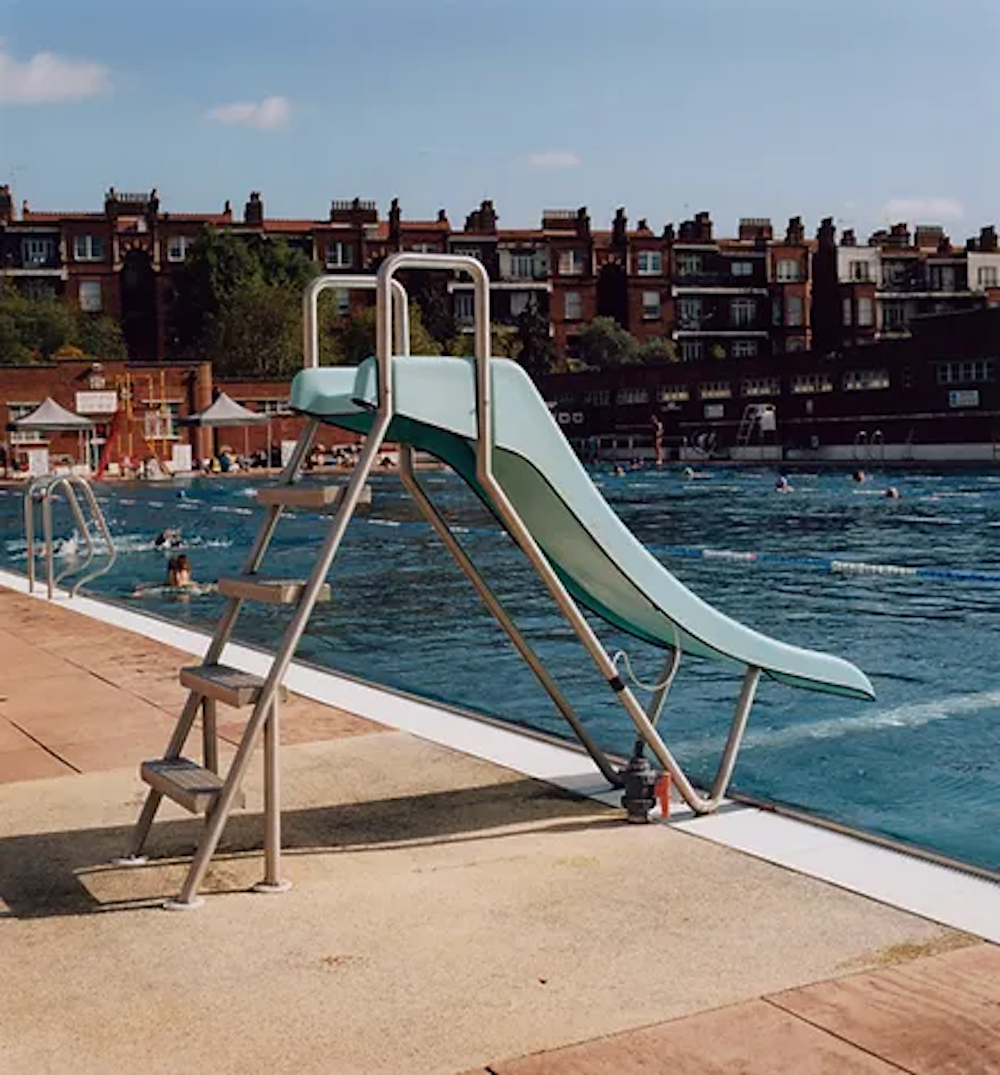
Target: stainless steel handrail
point(40, 492)
point(310, 312)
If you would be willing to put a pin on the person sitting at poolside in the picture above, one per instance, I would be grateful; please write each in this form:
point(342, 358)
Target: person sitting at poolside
point(179, 572)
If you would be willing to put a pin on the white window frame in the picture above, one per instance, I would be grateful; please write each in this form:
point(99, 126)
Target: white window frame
point(742, 312)
point(741, 268)
point(465, 307)
point(21, 409)
point(847, 310)
point(652, 306)
point(630, 397)
point(177, 247)
point(987, 276)
point(522, 265)
point(971, 372)
point(744, 349)
point(674, 393)
point(788, 270)
point(468, 252)
point(692, 350)
point(39, 249)
point(601, 397)
point(689, 264)
point(715, 390)
point(795, 311)
point(866, 311)
point(342, 298)
point(339, 255)
point(93, 303)
point(859, 272)
point(893, 316)
point(649, 263)
point(571, 262)
point(762, 386)
point(88, 248)
point(268, 406)
point(160, 421)
point(573, 305)
point(865, 380)
point(811, 383)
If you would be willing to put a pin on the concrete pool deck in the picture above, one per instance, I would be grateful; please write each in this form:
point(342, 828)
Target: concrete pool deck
point(449, 914)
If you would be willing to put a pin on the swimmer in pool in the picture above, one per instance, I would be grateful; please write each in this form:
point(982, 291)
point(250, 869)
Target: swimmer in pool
point(167, 539)
point(892, 493)
point(782, 485)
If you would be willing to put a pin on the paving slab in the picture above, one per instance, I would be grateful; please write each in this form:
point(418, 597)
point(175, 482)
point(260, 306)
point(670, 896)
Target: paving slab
point(934, 1016)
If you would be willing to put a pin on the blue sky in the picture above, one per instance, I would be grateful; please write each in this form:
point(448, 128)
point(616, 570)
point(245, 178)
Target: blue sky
point(865, 110)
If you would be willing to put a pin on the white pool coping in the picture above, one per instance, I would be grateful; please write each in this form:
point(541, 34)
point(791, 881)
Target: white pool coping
point(940, 893)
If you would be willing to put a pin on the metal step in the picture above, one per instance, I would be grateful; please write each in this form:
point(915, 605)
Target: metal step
point(184, 781)
point(317, 497)
point(268, 591)
point(225, 684)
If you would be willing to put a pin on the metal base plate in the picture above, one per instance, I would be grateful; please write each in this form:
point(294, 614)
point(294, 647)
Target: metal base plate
point(272, 888)
point(183, 905)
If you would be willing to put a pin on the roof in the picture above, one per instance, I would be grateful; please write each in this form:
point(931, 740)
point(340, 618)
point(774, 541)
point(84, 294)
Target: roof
point(51, 417)
point(225, 411)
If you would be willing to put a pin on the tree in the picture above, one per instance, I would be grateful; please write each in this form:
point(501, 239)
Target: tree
point(34, 329)
point(429, 290)
point(658, 350)
point(349, 341)
point(604, 343)
point(537, 353)
point(258, 332)
point(218, 267)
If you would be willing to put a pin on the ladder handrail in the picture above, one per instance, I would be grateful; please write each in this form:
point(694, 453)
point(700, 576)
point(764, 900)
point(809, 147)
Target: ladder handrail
point(310, 312)
point(42, 490)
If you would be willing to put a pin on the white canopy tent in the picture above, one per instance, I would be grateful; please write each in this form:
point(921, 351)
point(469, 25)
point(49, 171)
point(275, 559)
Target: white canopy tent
point(226, 412)
point(53, 417)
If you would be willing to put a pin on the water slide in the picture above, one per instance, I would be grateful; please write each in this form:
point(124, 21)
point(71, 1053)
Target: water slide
point(602, 564)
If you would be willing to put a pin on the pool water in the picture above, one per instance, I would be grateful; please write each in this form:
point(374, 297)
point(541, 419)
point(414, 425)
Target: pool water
point(922, 763)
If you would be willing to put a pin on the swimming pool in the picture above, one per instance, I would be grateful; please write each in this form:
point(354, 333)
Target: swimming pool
point(808, 566)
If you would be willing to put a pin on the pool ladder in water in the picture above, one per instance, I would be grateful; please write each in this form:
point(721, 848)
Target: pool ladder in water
point(200, 787)
point(88, 517)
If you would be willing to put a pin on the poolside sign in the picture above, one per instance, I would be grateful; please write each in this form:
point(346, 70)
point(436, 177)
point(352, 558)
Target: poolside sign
point(964, 397)
point(96, 402)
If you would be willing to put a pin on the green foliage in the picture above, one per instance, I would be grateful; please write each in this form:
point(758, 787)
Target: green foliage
point(257, 333)
point(718, 351)
point(34, 329)
point(349, 341)
point(658, 350)
point(537, 353)
point(429, 291)
point(224, 271)
point(605, 344)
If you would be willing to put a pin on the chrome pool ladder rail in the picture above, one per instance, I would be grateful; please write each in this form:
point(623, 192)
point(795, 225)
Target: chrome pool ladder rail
point(40, 493)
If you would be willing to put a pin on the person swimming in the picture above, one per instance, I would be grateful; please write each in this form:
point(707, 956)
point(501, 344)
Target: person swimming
point(167, 539)
point(860, 476)
point(619, 471)
point(179, 571)
point(783, 485)
point(892, 493)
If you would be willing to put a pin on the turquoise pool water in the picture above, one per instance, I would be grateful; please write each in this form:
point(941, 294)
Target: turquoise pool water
point(919, 764)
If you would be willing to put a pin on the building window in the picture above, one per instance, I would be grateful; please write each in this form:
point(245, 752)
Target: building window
point(43, 251)
point(342, 301)
point(795, 343)
point(424, 248)
point(522, 266)
point(789, 269)
point(339, 255)
point(804, 383)
point(464, 307)
point(627, 396)
point(90, 296)
point(467, 252)
point(893, 316)
point(571, 263)
point(794, 310)
point(893, 274)
point(649, 263)
point(519, 302)
point(160, 421)
point(651, 306)
point(964, 372)
point(88, 248)
point(674, 393)
point(744, 349)
point(866, 311)
point(43, 288)
point(986, 276)
point(848, 310)
point(762, 386)
point(689, 313)
point(942, 277)
point(28, 436)
point(742, 312)
point(267, 406)
point(863, 380)
point(692, 350)
point(859, 271)
point(715, 390)
point(742, 268)
point(689, 264)
point(178, 246)
point(600, 398)
point(573, 306)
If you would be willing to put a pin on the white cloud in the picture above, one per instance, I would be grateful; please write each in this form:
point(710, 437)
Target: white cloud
point(924, 210)
point(554, 158)
point(271, 114)
point(48, 77)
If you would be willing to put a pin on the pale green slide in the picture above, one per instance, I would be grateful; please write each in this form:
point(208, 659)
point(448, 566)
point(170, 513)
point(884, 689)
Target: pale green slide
point(603, 565)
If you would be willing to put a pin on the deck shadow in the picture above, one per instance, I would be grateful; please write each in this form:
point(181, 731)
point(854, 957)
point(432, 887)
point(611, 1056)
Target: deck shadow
point(72, 872)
